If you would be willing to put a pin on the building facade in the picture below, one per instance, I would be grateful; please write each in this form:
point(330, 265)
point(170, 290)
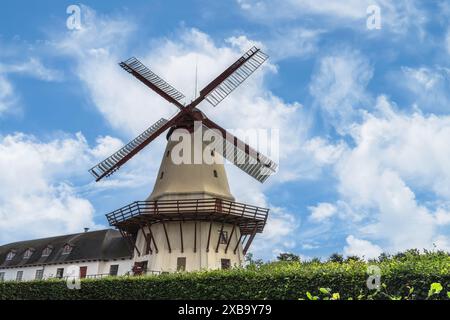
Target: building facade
point(84, 255)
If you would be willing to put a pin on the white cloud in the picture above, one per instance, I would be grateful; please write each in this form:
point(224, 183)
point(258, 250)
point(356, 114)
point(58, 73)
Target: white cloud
point(35, 198)
point(293, 42)
point(323, 151)
point(32, 67)
point(361, 248)
point(7, 95)
point(323, 211)
point(429, 86)
point(394, 155)
point(339, 88)
point(398, 17)
point(447, 41)
point(278, 236)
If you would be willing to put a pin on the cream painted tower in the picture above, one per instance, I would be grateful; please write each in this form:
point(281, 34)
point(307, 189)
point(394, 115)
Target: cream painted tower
point(200, 247)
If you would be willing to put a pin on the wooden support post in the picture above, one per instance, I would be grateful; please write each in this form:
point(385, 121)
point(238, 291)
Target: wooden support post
point(237, 244)
point(209, 236)
point(249, 241)
point(181, 236)
point(218, 240)
point(151, 237)
point(147, 241)
point(167, 237)
point(229, 239)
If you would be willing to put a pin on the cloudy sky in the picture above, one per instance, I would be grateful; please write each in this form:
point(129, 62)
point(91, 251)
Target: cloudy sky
point(363, 114)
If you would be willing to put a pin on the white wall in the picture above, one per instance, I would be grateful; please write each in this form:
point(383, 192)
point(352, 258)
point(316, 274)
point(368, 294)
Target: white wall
point(167, 262)
point(93, 268)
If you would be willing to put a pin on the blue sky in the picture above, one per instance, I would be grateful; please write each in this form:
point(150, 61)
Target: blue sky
point(363, 114)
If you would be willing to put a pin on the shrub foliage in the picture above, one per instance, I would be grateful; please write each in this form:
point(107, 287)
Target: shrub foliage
point(408, 276)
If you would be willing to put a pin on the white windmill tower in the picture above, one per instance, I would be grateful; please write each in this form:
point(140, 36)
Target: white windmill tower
point(191, 220)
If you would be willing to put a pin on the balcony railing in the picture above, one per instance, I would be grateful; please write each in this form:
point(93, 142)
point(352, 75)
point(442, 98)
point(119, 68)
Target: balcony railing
point(247, 216)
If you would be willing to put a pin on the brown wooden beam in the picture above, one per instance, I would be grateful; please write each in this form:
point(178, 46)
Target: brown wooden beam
point(209, 236)
point(151, 237)
point(147, 241)
point(237, 244)
point(249, 241)
point(167, 237)
point(229, 239)
point(218, 240)
point(181, 235)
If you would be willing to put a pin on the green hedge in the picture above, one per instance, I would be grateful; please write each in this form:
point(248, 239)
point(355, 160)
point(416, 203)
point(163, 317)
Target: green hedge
point(407, 277)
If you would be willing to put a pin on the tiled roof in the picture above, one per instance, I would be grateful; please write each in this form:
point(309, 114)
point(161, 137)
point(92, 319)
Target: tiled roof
point(94, 245)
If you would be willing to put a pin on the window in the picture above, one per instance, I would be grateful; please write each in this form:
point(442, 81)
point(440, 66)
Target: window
point(2, 276)
point(28, 253)
point(10, 255)
point(19, 275)
point(39, 274)
point(223, 237)
point(225, 263)
point(83, 272)
point(67, 249)
point(59, 273)
point(46, 252)
point(114, 270)
point(161, 176)
point(167, 153)
point(181, 264)
point(212, 153)
point(215, 174)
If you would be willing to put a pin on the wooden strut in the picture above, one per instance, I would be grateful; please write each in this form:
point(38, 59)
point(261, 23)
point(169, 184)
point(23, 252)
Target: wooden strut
point(167, 237)
point(237, 244)
point(151, 237)
point(249, 241)
point(229, 239)
point(181, 236)
point(130, 241)
point(147, 241)
point(220, 235)
point(209, 236)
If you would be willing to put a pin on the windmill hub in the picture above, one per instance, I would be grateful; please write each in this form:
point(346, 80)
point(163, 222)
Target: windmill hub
point(191, 221)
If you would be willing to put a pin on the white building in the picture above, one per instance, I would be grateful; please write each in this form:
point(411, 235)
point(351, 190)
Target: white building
point(90, 254)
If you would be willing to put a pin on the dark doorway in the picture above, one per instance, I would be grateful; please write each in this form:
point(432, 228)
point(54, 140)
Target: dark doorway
point(181, 264)
point(225, 263)
point(114, 270)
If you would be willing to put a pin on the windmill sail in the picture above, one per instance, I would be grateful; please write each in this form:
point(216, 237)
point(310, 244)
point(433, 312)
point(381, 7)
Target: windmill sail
point(153, 81)
point(242, 155)
point(113, 163)
point(231, 78)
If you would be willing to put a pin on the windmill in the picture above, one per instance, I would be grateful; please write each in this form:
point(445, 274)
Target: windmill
point(189, 201)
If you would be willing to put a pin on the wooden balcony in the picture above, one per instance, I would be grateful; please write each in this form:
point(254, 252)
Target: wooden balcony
point(250, 219)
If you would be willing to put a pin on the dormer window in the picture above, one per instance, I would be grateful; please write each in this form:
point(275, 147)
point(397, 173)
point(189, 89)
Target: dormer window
point(10, 255)
point(28, 253)
point(46, 252)
point(67, 249)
